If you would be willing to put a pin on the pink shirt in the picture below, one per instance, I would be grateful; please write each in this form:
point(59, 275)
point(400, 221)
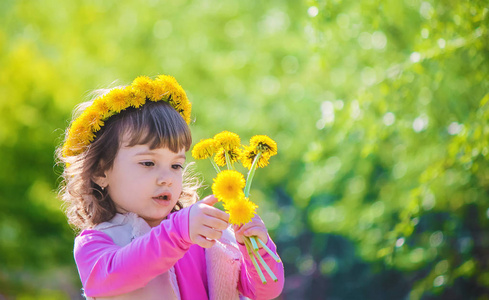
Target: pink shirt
point(107, 269)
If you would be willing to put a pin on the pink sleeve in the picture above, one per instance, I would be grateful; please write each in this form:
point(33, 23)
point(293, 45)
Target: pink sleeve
point(107, 269)
point(250, 284)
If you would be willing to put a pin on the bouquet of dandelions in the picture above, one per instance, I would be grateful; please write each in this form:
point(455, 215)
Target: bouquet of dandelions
point(230, 186)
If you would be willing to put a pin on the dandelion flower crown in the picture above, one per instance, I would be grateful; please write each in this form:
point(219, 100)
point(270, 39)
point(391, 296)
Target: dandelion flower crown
point(84, 128)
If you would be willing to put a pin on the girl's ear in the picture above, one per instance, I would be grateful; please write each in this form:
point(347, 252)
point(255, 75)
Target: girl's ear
point(100, 178)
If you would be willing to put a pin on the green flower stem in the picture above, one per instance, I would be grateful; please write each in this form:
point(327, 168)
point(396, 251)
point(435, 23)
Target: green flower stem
point(267, 268)
point(228, 161)
point(216, 167)
point(253, 260)
point(277, 259)
point(251, 173)
point(253, 243)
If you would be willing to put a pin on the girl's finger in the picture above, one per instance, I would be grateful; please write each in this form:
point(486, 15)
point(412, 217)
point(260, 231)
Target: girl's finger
point(203, 242)
point(252, 224)
point(216, 213)
point(215, 223)
point(261, 233)
point(209, 200)
point(253, 231)
point(210, 233)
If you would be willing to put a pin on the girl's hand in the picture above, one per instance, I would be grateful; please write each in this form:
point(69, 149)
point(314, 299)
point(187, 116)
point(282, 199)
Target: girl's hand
point(206, 222)
point(254, 228)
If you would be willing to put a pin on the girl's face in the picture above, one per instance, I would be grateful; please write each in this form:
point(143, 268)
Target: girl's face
point(146, 182)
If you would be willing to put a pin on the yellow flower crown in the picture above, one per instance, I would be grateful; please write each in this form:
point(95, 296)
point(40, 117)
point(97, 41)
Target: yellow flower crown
point(163, 88)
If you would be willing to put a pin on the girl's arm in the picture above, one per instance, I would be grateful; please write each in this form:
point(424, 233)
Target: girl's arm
point(107, 269)
point(250, 284)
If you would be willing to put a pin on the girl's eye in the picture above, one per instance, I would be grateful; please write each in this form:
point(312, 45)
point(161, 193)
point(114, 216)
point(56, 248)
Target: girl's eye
point(177, 167)
point(147, 163)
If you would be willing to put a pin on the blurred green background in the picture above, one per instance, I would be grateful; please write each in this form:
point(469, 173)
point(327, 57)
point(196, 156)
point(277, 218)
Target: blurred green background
point(379, 108)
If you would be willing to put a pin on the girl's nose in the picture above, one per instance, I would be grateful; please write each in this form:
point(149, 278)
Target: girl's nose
point(164, 178)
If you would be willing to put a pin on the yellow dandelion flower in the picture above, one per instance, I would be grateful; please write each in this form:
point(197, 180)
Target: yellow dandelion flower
point(158, 92)
point(228, 140)
point(101, 105)
point(83, 135)
point(240, 211)
point(152, 90)
point(173, 87)
point(117, 100)
point(248, 156)
point(220, 158)
point(264, 144)
point(80, 136)
point(176, 96)
point(228, 185)
point(78, 127)
point(178, 102)
point(92, 118)
point(143, 83)
point(177, 93)
point(233, 154)
point(204, 149)
point(163, 81)
point(135, 97)
point(181, 106)
point(186, 111)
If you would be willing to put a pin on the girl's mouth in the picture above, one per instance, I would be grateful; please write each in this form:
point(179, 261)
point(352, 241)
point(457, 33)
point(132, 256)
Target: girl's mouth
point(163, 197)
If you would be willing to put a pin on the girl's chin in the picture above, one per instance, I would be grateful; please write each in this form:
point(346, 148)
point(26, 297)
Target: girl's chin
point(153, 222)
point(157, 216)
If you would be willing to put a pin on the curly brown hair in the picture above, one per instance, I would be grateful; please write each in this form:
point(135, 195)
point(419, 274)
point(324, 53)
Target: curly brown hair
point(156, 124)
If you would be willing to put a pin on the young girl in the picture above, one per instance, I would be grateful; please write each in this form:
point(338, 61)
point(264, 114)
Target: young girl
point(143, 235)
